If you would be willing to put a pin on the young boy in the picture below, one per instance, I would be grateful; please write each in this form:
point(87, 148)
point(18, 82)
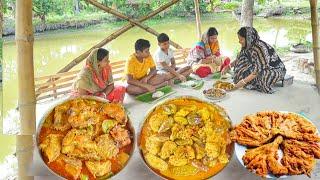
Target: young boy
point(141, 71)
point(166, 63)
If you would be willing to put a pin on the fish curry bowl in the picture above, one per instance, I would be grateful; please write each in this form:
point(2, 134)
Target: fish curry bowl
point(85, 138)
point(186, 138)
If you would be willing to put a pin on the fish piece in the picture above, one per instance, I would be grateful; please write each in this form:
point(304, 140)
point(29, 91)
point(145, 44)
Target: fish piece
point(106, 147)
point(78, 143)
point(169, 109)
point(212, 150)
point(167, 149)
point(83, 119)
point(156, 121)
point(200, 151)
point(98, 168)
point(153, 144)
point(180, 120)
point(115, 111)
point(51, 146)
point(72, 166)
point(156, 162)
point(60, 117)
point(166, 125)
point(121, 136)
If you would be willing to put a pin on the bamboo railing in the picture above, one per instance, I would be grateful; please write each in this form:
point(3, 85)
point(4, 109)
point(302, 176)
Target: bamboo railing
point(57, 85)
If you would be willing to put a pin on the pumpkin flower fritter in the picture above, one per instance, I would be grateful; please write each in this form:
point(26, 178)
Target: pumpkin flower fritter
point(193, 139)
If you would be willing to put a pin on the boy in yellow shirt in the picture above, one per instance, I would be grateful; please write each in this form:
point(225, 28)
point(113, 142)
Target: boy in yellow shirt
point(141, 71)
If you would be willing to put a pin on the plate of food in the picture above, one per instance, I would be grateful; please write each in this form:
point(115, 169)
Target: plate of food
point(85, 138)
point(185, 138)
point(214, 93)
point(275, 144)
point(227, 86)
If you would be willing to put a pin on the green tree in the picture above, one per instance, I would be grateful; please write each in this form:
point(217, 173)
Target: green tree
point(42, 8)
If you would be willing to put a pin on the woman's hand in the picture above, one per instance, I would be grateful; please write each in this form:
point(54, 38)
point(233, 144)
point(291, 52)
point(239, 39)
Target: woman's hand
point(240, 84)
point(225, 69)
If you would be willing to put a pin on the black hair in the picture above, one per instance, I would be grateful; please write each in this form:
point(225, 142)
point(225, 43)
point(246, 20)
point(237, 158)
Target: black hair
point(242, 32)
point(141, 44)
point(163, 38)
point(212, 31)
point(102, 53)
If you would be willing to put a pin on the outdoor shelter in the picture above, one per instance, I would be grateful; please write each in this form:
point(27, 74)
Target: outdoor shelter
point(28, 90)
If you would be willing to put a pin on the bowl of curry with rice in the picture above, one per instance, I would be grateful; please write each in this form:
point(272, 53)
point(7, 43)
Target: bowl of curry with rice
point(186, 138)
point(85, 138)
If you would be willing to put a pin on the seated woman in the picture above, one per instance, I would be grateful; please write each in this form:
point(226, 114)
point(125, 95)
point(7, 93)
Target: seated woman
point(257, 66)
point(205, 57)
point(96, 78)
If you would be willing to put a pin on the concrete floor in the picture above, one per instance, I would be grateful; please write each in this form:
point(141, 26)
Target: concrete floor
point(299, 97)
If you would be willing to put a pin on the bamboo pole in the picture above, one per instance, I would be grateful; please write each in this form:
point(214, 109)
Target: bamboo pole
point(315, 41)
point(198, 21)
point(24, 153)
point(115, 35)
point(24, 41)
point(1, 18)
point(132, 21)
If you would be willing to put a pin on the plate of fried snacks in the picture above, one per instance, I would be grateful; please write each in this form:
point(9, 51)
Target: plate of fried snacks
point(227, 86)
point(214, 93)
point(275, 144)
point(85, 138)
point(185, 138)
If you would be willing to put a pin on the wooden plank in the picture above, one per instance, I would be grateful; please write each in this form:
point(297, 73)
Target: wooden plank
point(40, 91)
point(62, 80)
point(117, 63)
point(51, 95)
point(57, 75)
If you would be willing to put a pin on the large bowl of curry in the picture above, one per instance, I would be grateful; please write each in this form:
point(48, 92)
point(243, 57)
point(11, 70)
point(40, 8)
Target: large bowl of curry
point(85, 138)
point(186, 138)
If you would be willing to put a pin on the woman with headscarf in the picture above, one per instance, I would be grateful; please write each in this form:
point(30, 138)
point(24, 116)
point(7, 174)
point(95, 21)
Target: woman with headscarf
point(257, 67)
point(205, 57)
point(96, 78)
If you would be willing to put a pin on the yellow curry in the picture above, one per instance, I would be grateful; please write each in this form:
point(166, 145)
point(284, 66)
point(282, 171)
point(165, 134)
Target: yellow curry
point(86, 139)
point(186, 139)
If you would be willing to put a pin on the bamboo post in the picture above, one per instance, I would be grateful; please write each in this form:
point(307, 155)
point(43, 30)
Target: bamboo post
point(24, 41)
point(24, 153)
point(198, 21)
point(315, 41)
point(136, 23)
point(115, 35)
point(1, 18)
